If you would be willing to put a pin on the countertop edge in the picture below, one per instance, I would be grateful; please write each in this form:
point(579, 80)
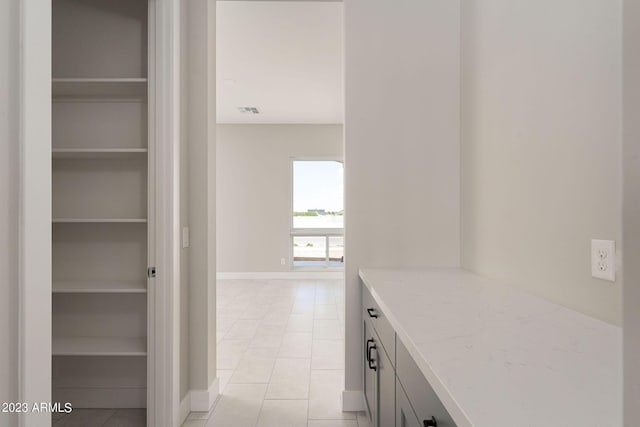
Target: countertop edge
point(448, 400)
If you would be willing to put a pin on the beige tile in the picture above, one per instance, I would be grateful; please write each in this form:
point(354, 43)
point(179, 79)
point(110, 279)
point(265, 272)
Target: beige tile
point(296, 345)
point(224, 324)
point(224, 375)
point(326, 311)
point(287, 316)
point(255, 311)
point(290, 379)
point(230, 352)
point(239, 406)
point(283, 413)
point(255, 366)
point(243, 329)
point(279, 317)
point(327, 354)
point(300, 323)
point(268, 336)
point(325, 296)
point(266, 341)
point(268, 329)
point(325, 396)
point(303, 308)
point(327, 329)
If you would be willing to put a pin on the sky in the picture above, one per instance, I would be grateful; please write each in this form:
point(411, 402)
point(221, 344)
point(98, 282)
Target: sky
point(317, 185)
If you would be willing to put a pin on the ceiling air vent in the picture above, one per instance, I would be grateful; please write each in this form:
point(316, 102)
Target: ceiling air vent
point(248, 110)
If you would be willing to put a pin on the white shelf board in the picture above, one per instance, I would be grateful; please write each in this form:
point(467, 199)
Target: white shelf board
point(99, 88)
point(99, 220)
point(99, 346)
point(101, 153)
point(99, 287)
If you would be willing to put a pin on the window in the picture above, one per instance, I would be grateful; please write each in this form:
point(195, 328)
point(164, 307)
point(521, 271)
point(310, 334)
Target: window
point(317, 231)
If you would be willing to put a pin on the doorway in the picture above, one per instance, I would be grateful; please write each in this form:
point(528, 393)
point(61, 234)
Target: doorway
point(280, 288)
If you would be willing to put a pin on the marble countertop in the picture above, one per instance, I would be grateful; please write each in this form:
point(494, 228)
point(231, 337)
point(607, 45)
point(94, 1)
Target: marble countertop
point(499, 357)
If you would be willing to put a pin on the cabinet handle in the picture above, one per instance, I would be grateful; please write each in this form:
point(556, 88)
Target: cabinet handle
point(431, 423)
point(372, 313)
point(366, 352)
point(369, 359)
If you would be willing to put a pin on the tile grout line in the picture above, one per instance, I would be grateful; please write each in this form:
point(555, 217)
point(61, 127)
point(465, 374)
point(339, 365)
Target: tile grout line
point(311, 356)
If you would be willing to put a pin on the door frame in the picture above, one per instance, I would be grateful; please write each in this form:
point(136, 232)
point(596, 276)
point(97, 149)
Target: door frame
point(34, 211)
point(164, 291)
point(35, 321)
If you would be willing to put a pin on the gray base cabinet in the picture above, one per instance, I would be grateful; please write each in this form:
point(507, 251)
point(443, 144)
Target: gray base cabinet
point(396, 392)
point(405, 417)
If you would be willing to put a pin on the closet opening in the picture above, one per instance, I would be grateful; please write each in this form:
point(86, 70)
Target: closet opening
point(102, 210)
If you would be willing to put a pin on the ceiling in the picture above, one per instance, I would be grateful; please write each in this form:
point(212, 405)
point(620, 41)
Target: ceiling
point(283, 58)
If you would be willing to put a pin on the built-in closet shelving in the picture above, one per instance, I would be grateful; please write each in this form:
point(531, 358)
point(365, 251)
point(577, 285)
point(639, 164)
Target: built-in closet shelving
point(101, 216)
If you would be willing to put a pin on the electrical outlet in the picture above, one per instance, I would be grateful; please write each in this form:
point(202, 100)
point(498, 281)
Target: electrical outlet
point(283, 261)
point(603, 259)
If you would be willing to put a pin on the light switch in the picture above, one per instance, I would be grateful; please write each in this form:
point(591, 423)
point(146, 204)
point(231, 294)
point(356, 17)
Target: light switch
point(185, 237)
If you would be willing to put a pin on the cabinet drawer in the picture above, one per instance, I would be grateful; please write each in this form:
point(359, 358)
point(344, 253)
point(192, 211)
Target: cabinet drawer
point(423, 399)
point(371, 311)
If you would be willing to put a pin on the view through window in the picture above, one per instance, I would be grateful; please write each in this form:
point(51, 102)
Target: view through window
point(317, 234)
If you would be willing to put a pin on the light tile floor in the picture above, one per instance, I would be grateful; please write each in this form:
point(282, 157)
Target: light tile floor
point(280, 355)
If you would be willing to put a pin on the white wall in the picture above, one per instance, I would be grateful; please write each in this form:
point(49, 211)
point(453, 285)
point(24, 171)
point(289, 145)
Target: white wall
point(254, 189)
point(199, 117)
point(541, 150)
point(631, 221)
point(401, 145)
point(9, 18)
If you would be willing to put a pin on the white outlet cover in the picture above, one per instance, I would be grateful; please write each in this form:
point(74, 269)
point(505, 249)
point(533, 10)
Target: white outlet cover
point(603, 259)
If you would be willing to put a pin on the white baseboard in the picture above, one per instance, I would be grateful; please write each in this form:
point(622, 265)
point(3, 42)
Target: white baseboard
point(203, 400)
point(281, 275)
point(353, 401)
point(185, 409)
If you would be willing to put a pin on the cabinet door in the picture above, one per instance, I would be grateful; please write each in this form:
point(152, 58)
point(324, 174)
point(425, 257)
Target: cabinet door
point(386, 389)
point(424, 400)
point(405, 417)
point(370, 373)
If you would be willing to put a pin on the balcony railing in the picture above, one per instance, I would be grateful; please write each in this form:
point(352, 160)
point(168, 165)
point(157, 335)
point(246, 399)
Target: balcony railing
point(317, 248)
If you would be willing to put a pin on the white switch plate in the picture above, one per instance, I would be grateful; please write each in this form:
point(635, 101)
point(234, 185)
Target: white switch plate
point(603, 259)
point(283, 261)
point(186, 241)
